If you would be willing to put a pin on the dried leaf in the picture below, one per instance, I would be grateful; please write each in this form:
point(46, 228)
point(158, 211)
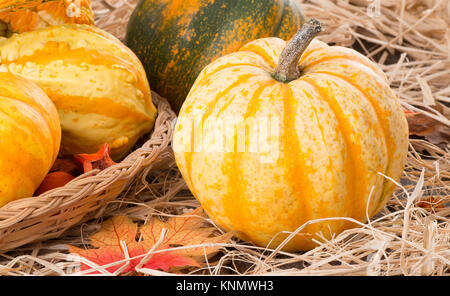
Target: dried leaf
point(427, 127)
point(99, 160)
point(431, 203)
point(52, 181)
point(184, 230)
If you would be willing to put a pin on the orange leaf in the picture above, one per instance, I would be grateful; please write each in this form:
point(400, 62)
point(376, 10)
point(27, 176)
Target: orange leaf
point(65, 165)
point(99, 160)
point(431, 202)
point(53, 180)
point(183, 230)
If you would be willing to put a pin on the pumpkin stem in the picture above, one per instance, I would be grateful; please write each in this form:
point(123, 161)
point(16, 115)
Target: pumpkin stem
point(287, 68)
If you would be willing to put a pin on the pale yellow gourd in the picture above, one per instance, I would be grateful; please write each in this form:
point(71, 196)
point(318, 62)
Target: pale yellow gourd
point(97, 84)
point(336, 130)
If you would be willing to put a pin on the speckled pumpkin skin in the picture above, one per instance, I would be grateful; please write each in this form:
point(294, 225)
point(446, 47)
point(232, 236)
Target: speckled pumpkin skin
point(97, 84)
point(340, 125)
point(30, 136)
point(176, 39)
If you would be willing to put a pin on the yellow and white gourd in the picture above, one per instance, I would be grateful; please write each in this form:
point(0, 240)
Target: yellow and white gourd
point(97, 84)
point(339, 130)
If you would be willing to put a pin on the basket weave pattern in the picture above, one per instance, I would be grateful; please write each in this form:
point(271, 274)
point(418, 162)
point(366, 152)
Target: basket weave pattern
point(50, 214)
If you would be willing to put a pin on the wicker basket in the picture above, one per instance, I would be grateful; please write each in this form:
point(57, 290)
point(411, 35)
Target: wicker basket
point(50, 214)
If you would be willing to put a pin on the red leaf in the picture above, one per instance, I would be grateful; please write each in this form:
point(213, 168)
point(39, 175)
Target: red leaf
point(99, 160)
point(183, 230)
point(431, 202)
point(65, 165)
point(166, 260)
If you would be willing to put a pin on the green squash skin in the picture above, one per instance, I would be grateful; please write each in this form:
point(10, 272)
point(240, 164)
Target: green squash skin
point(176, 39)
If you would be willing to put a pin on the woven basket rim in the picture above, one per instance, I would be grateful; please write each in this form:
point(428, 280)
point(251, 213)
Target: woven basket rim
point(96, 181)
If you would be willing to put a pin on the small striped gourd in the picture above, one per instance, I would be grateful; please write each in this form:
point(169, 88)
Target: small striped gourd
point(176, 39)
point(30, 136)
point(97, 84)
point(328, 128)
point(17, 16)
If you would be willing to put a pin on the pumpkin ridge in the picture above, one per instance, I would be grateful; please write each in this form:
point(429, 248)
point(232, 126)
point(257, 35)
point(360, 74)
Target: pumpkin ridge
point(369, 99)
point(40, 103)
point(389, 143)
point(18, 103)
point(227, 103)
point(261, 53)
point(63, 34)
point(228, 66)
point(210, 108)
point(33, 110)
point(206, 79)
point(325, 142)
point(36, 139)
point(353, 191)
point(236, 178)
point(306, 54)
point(235, 188)
point(113, 41)
point(345, 57)
point(24, 94)
point(254, 102)
point(78, 55)
point(296, 180)
point(102, 106)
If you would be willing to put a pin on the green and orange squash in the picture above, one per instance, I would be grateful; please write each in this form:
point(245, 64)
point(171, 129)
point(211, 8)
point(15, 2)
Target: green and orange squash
point(97, 84)
point(17, 16)
point(275, 135)
point(176, 39)
point(30, 136)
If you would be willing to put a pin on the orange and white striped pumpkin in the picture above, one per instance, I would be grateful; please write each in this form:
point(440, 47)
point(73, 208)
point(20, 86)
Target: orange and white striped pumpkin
point(333, 131)
point(97, 84)
point(17, 16)
point(30, 136)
